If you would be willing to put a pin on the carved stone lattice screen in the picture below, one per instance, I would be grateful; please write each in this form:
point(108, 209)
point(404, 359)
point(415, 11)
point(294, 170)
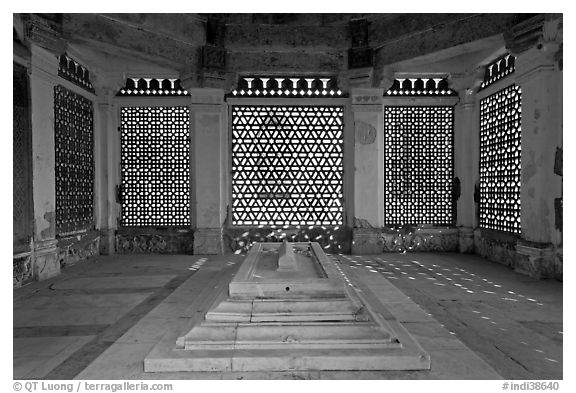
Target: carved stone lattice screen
point(155, 166)
point(418, 165)
point(287, 165)
point(22, 161)
point(500, 163)
point(74, 144)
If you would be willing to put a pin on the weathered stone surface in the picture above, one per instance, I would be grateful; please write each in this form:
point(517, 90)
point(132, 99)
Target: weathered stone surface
point(140, 42)
point(293, 61)
point(188, 28)
point(445, 35)
point(266, 37)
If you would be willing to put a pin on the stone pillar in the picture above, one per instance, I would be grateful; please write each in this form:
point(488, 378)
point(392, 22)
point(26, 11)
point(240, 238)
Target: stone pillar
point(466, 146)
point(209, 149)
point(106, 159)
point(368, 118)
point(368, 155)
point(43, 78)
point(541, 83)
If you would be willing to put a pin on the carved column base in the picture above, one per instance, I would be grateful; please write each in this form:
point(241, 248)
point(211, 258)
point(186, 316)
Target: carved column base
point(466, 240)
point(366, 241)
point(535, 260)
point(46, 264)
point(208, 241)
point(107, 241)
point(558, 264)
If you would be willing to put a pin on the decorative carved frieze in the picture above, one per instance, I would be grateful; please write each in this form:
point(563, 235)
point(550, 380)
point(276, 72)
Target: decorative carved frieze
point(70, 251)
point(501, 251)
point(157, 87)
point(331, 239)
point(287, 87)
point(368, 240)
point(148, 243)
point(22, 269)
point(420, 86)
point(75, 72)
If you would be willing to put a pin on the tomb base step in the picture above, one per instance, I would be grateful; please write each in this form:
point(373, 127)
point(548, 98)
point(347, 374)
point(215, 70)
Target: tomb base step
point(288, 310)
point(208, 336)
point(297, 359)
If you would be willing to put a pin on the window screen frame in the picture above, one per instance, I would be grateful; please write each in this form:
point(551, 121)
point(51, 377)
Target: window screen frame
point(422, 102)
point(143, 102)
point(347, 153)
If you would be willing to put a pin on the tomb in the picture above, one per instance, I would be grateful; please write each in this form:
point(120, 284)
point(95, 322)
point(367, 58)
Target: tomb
point(289, 307)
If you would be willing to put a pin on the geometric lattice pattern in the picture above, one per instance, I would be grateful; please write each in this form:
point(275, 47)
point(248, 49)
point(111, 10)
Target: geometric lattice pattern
point(498, 69)
point(157, 87)
point(287, 164)
point(420, 87)
point(500, 160)
point(74, 145)
point(285, 87)
point(418, 165)
point(155, 166)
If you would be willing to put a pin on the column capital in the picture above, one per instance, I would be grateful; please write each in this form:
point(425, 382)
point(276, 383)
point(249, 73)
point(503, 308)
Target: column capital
point(106, 84)
point(366, 99)
point(466, 84)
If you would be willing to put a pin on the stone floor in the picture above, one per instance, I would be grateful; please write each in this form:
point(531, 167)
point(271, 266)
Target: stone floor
point(100, 318)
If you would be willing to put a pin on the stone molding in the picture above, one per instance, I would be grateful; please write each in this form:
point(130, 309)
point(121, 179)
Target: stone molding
point(376, 241)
